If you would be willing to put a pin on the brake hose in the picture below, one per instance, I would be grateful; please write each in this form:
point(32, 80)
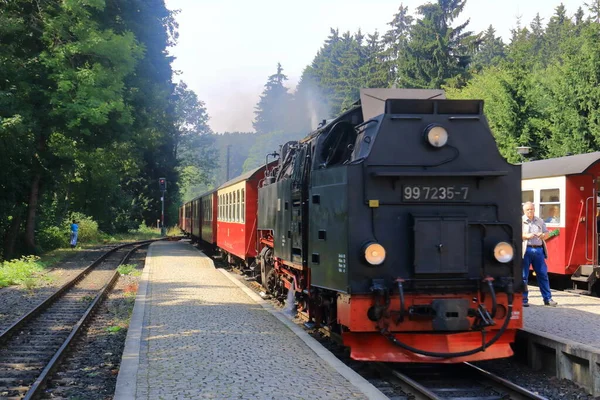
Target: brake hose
point(501, 331)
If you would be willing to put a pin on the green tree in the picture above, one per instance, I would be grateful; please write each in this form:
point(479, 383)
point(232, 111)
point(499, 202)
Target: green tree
point(81, 69)
point(395, 41)
point(194, 142)
point(437, 53)
point(490, 52)
point(273, 107)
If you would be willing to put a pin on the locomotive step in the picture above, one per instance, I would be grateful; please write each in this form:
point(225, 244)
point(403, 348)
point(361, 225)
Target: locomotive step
point(581, 278)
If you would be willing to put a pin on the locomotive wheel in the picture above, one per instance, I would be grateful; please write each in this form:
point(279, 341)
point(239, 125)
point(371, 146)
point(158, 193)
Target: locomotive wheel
point(271, 282)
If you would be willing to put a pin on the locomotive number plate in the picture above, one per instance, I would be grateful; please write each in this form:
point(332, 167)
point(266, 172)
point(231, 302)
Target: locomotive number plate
point(449, 193)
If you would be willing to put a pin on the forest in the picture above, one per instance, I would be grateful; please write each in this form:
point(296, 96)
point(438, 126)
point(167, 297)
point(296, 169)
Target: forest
point(91, 114)
point(541, 89)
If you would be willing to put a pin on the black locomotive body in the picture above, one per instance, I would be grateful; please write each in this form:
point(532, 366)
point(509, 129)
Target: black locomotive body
point(400, 230)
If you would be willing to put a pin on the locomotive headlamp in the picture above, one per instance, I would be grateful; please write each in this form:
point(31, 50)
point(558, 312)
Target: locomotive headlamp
point(436, 135)
point(503, 252)
point(374, 253)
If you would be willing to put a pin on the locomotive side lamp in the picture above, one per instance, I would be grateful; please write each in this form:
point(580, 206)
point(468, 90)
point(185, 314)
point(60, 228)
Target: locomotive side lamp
point(436, 135)
point(504, 252)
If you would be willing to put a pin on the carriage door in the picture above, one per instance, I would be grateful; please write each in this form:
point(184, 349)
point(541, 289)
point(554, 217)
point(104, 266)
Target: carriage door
point(591, 225)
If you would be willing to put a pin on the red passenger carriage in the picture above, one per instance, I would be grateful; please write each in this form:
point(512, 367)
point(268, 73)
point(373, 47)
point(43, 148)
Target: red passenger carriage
point(565, 193)
point(236, 223)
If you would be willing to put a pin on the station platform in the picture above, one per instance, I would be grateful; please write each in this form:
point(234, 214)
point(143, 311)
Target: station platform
point(197, 332)
point(563, 340)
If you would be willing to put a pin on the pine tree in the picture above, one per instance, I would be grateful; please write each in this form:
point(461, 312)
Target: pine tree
point(437, 53)
point(395, 41)
point(594, 9)
point(272, 109)
point(490, 52)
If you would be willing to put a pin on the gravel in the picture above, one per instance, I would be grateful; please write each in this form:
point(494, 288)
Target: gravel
point(537, 382)
point(91, 369)
point(15, 301)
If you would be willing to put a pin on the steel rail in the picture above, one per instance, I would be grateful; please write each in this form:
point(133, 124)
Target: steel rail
point(11, 330)
point(38, 385)
point(421, 391)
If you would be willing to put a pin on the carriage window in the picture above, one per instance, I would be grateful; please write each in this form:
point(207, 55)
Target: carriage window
point(234, 207)
point(239, 204)
point(550, 205)
point(526, 195)
point(243, 217)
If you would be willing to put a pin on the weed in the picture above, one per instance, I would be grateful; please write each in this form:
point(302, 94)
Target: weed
point(86, 299)
point(22, 271)
point(126, 269)
point(30, 283)
point(113, 329)
point(130, 290)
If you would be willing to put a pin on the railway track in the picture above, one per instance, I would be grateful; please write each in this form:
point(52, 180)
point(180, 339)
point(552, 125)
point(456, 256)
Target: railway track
point(31, 349)
point(453, 382)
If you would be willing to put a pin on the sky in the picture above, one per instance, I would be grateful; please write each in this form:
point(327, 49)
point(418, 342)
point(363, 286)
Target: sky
point(228, 48)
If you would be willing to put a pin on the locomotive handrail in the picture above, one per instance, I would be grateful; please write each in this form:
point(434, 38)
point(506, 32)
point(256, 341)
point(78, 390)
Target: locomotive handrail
point(438, 173)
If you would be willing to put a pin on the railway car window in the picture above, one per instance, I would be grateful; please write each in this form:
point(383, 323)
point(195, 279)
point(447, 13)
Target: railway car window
point(526, 195)
point(243, 207)
point(550, 205)
point(238, 207)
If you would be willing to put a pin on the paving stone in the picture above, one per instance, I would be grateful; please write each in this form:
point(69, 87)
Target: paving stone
point(576, 317)
point(203, 337)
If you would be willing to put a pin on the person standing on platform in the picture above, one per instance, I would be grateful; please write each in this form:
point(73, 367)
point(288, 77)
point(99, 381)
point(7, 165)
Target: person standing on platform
point(534, 234)
point(74, 232)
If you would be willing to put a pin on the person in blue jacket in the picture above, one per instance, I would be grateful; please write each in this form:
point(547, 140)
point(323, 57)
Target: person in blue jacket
point(74, 232)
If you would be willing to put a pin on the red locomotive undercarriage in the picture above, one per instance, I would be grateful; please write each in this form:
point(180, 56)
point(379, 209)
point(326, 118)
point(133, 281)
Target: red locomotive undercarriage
point(378, 341)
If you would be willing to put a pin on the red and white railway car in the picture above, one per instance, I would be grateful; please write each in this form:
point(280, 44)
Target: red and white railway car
point(565, 193)
point(237, 202)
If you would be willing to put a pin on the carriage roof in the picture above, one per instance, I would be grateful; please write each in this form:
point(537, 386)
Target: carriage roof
point(560, 166)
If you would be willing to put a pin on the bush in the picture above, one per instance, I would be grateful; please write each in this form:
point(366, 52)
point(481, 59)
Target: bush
point(20, 271)
point(174, 231)
point(88, 228)
point(53, 237)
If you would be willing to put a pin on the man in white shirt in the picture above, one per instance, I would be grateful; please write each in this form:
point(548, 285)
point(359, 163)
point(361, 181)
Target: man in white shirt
point(534, 233)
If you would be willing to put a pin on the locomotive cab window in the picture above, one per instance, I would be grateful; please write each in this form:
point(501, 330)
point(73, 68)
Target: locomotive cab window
point(550, 205)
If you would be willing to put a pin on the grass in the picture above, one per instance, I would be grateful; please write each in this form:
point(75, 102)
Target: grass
point(26, 271)
point(31, 271)
point(128, 269)
point(113, 329)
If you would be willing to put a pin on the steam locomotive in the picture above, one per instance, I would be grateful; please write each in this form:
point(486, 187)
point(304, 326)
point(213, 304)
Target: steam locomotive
point(397, 225)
